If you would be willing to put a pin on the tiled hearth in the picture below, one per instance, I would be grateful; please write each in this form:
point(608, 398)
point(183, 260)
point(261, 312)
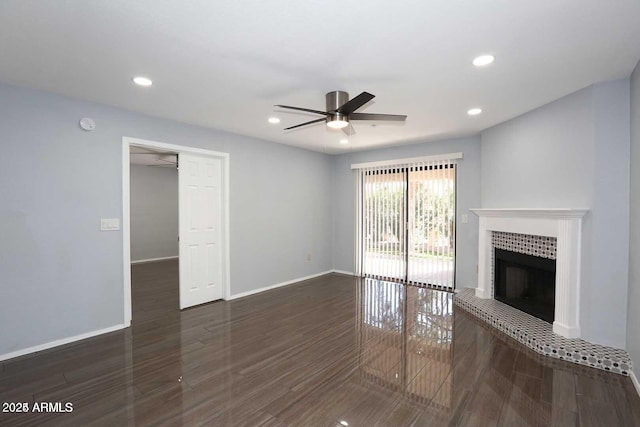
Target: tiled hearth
point(547, 233)
point(538, 335)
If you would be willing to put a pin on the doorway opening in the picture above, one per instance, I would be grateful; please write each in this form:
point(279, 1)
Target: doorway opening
point(203, 221)
point(153, 176)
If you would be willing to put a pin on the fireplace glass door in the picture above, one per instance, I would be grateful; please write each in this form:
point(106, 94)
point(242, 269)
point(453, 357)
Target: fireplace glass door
point(525, 282)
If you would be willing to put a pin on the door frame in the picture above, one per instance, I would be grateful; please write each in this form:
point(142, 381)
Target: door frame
point(127, 142)
point(403, 166)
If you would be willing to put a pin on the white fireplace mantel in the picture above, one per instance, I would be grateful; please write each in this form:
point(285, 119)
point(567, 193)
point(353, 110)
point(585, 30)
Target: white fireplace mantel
point(565, 224)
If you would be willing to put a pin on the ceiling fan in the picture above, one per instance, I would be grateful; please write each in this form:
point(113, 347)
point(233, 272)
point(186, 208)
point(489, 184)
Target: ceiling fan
point(341, 110)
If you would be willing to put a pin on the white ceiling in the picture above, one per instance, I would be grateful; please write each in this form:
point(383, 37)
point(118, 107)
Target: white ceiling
point(224, 64)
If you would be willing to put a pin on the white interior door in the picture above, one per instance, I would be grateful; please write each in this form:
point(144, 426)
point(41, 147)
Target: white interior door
point(200, 218)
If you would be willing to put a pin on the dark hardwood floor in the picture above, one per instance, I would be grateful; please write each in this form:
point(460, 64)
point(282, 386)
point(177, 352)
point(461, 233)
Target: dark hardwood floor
point(317, 353)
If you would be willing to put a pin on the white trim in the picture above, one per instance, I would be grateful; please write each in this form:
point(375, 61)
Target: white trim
point(226, 161)
point(126, 206)
point(564, 224)
point(348, 273)
point(126, 231)
point(532, 213)
point(143, 261)
point(173, 147)
point(635, 382)
point(399, 162)
point(278, 285)
point(483, 293)
point(59, 342)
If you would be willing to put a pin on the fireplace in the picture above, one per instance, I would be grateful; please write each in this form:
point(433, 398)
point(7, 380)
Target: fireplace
point(562, 224)
point(525, 282)
point(554, 234)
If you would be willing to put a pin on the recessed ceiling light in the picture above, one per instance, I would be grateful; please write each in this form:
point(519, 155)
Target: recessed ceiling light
point(483, 60)
point(474, 111)
point(142, 81)
point(344, 141)
point(274, 120)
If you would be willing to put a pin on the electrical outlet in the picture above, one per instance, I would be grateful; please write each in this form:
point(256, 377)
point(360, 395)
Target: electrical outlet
point(309, 256)
point(109, 224)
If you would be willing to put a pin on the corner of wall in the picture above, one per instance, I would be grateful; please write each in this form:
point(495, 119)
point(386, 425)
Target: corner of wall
point(333, 202)
point(633, 295)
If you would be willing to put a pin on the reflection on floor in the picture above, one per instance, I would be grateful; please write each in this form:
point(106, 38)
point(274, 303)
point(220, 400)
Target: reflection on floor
point(326, 350)
point(405, 340)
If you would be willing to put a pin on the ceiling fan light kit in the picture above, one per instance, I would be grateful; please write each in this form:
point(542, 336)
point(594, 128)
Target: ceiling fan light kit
point(340, 111)
point(337, 121)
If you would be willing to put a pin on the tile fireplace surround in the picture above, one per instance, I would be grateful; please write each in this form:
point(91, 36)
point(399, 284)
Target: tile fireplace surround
point(550, 233)
point(563, 224)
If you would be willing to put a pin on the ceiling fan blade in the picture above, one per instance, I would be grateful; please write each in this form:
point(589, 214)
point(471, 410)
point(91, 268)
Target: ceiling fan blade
point(371, 116)
point(308, 110)
point(355, 103)
point(306, 123)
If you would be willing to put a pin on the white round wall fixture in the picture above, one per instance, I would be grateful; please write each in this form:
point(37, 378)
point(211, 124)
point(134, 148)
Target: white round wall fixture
point(87, 123)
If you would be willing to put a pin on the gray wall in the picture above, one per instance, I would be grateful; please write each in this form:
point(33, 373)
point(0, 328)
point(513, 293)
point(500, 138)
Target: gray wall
point(62, 277)
point(633, 316)
point(468, 197)
point(154, 212)
point(574, 153)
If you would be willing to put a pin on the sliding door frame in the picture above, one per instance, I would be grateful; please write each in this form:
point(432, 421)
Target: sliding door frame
point(404, 166)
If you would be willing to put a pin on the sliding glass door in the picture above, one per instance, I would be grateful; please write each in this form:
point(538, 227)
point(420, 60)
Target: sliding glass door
point(384, 222)
point(431, 223)
point(407, 219)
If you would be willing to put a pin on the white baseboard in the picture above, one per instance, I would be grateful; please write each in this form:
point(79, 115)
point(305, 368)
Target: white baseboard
point(348, 273)
point(68, 340)
point(142, 261)
point(635, 382)
point(56, 343)
point(277, 285)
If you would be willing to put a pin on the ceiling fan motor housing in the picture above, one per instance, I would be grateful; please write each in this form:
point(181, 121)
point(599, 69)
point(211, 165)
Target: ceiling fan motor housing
point(335, 100)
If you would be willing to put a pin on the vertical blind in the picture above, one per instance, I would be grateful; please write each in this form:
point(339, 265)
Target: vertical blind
point(406, 222)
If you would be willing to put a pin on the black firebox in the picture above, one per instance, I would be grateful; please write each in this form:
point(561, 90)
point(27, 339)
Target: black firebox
point(525, 282)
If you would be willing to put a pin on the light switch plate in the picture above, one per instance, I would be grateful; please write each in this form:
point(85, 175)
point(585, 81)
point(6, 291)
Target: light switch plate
point(109, 224)
point(464, 219)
